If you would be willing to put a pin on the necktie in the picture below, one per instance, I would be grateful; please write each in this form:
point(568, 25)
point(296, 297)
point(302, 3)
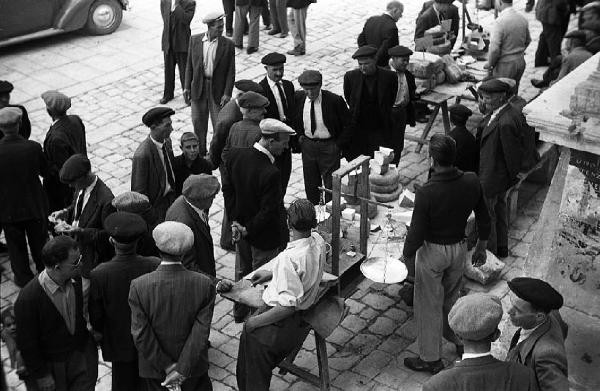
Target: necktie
point(282, 97)
point(168, 167)
point(313, 118)
point(515, 339)
point(79, 208)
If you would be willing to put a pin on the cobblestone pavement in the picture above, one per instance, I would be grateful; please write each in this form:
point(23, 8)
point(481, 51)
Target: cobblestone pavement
point(114, 79)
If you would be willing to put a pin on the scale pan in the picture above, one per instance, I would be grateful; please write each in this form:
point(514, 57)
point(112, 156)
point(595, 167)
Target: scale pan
point(387, 271)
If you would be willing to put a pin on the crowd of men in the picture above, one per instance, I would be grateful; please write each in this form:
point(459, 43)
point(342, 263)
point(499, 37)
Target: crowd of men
point(120, 272)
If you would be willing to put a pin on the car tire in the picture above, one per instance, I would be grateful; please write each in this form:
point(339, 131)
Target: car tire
point(104, 17)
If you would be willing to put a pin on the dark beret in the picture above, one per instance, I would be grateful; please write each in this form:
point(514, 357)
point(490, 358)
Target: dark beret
point(460, 111)
point(74, 168)
point(310, 78)
point(494, 85)
point(365, 51)
point(6, 86)
point(125, 227)
point(537, 292)
point(156, 114)
point(251, 100)
point(245, 85)
point(273, 59)
point(399, 51)
point(576, 34)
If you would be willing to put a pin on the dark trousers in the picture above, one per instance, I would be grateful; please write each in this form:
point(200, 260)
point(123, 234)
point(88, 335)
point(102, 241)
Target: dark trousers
point(319, 160)
point(125, 376)
point(284, 163)
point(18, 235)
point(553, 70)
point(241, 12)
point(162, 205)
point(59, 195)
point(279, 15)
point(229, 8)
point(499, 218)
point(226, 235)
point(399, 128)
point(79, 372)
point(201, 383)
point(171, 60)
point(202, 108)
point(549, 43)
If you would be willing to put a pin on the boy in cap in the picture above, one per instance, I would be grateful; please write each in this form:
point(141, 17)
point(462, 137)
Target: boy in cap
point(539, 343)
point(467, 150)
point(110, 315)
point(474, 319)
point(170, 356)
point(381, 32)
point(189, 162)
point(6, 88)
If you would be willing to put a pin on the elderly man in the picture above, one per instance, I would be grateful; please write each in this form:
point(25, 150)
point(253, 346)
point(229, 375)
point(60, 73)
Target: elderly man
point(381, 32)
point(65, 138)
point(437, 237)
point(189, 162)
point(191, 209)
point(293, 279)
point(24, 206)
point(539, 343)
point(554, 16)
point(110, 315)
point(474, 319)
point(321, 124)
point(54, 341)
point(467, 150)
point(209, 75)
point(133, 202)
point(170, 356)
point(6, 88)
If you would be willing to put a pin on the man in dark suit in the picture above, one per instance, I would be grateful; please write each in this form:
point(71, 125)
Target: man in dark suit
point(539, 343)
point(467, 150)
point(168, 354)
point(433, 15)
point(381, 32)
point(152, 171)
point(209, 75)
point(24, 205)
point(110, 315)
point(65, 138)
point(177, 16)
point(6, 88)
point(321, 121)
point(191, 208)
point(53, 339)
point(370, 92)
point(282, 106)
point(189, 162)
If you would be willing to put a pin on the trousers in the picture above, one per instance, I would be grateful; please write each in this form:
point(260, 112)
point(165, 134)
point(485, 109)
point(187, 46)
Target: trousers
point(549, 42)
point(79, 372)
point(226, 235)
point(125, 376)
point(297, 23)
point(173, 59)
point(398, 131)
point(202, 108)
point(513, 70)
point(279, 15)
point(253, 13)
point(319, 160)
point(499, 219)
point(18, 235)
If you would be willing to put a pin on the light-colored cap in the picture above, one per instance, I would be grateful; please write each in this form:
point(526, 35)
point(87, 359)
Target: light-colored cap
point(475, 316)
point(56, 101)
point(10, 116)
point(212, 16)
point(172, 237)
point(273, 126)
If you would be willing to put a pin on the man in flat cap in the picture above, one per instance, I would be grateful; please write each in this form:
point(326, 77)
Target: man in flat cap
point(172, 355)
point(152, 170)
point(433, 14)
point(370, 92)
point(467, 150)
point(589, 21)
point(209, 75)
point(321, 125)
point(191, 209)
point(65, 138)
point(437, 238)
point(134, 202)
point(474, 319)
point(24, 205)
point(282, 106)
point(381, 32)
point(177, 16)
point(254, 199)
point(6, 88)
point(539, 343)
point(189, 162)
point(110, 315)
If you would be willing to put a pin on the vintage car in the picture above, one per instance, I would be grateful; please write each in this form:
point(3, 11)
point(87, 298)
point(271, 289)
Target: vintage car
point(22, 20)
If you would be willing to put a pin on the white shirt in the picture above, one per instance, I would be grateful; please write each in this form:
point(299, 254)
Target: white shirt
point(159, 147)
point(86, 197)
point(63, 298)
point(163, 262)
point(209, 48)
point(297, 273)
point(173, 5)
point(526, 333)
point(200, 212)
point(321, 130)
point(402, 96)
point(476, 355)
point(495, 113)
point(265, 151)
point(278, 98)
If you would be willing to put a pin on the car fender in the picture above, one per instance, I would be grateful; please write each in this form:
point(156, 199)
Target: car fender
point(74, 14)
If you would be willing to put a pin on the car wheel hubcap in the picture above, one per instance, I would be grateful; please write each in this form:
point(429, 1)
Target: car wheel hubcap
point(103, 16)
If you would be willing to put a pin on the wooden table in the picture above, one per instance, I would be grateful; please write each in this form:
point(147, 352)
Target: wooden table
point(439, 101)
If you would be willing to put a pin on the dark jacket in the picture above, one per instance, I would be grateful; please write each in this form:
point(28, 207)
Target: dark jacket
point(253, 3)
point(25, 126)
point(412, 96)
point(148, 171)
point(229, 114)
point(442, 207)
point(108, 306)
point(467, 150)
point(22, 197)
point(429, 19)
point(183, 171)
point(223, 68)
point(176, 25)
point(243, 134)
point(201, 257)
point(298, 4)
point(379, 31)
point(554, 12)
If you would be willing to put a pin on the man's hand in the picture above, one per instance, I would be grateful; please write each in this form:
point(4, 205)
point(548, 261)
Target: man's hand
point(46, 383)
point(58, 215)
point(250, 324)
point(238, 232)
point(479, 254)
point(187, 95)
point(224, 286)
point(224, 100)
point(173, 380)
point(261, 276)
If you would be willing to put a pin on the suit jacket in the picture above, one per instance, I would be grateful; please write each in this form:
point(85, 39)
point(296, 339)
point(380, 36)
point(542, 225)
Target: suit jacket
point(554, 12)
point(148, 172)
point(25, 126)
point(223, 68)
point(201, 257)
point(412, 97)
point(544, 352)
point(379, 31)
point(242, 134)
point(108, 306)
point(167, 297)
point(429, 19)
point(467, 150)
point(182, 171)
point(22, 197)
point(176, 25)
point(483, 373)
point(229, 114)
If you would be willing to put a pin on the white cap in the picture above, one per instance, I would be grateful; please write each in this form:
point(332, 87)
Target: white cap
point(173, 238)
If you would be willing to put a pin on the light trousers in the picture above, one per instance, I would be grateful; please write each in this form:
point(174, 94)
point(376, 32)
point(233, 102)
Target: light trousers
point(297, 23)
point(201, 109)
point(253, 13)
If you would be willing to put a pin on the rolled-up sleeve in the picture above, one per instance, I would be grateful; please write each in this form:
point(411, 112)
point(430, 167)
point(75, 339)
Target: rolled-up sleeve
point(286, 286)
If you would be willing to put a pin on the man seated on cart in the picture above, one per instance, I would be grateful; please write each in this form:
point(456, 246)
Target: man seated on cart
point(293, 278)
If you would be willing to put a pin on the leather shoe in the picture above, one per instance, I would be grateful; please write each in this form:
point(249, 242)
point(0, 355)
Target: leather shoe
point(273, 32)
point(251, 50)
point(267, 27)
point(295, 52)
point(283, 35)
point(416, 364)
point(537, 83)
point(239, 46)
point(165, 99)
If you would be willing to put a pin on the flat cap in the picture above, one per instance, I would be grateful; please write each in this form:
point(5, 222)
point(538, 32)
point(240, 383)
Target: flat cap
point(310, 77)
point(273, 59)
point(56, 101)
point(365, 51)
point(589, 6)
point(273, 126)
point(212, 16)
point(172, 237)
point(537, 292)
point(74, 168)
point(252, 100)
point(475, 316)
point(156, 114)
point(6, 86)
point(200, 187)
point(460, 111)
point(246, 85)
point(399, 51)
point(125, 227)
point(576, 34)
point(10, 116)
point(131, 201)
point(188, 136)
point(493, 86)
